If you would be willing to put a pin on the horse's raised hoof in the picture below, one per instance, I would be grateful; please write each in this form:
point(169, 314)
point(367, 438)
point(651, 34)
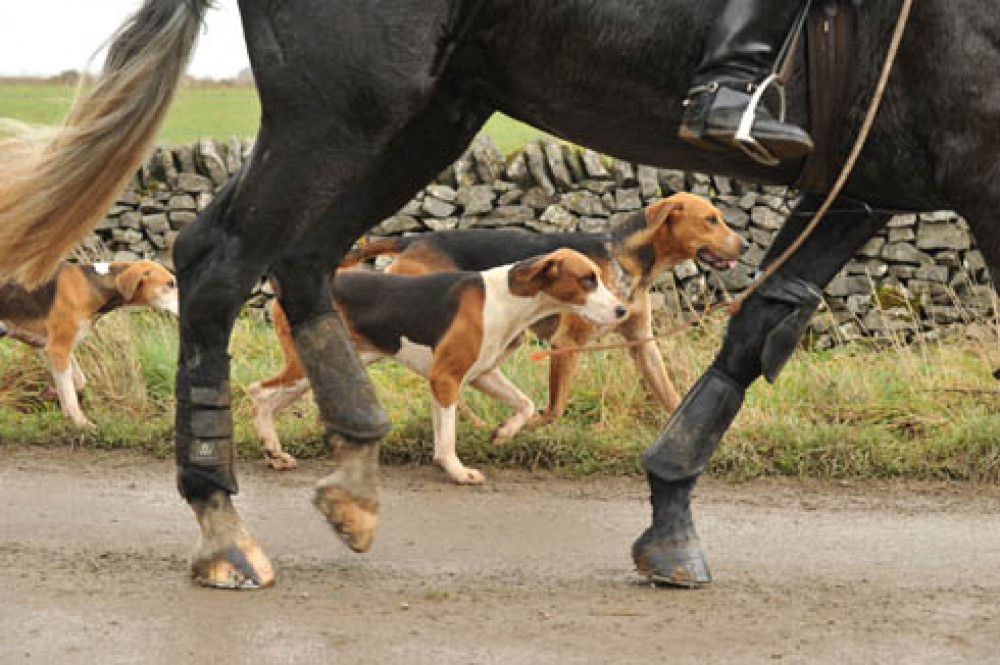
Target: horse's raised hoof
point(678, 563)
point(228, 556)
point(348, 497)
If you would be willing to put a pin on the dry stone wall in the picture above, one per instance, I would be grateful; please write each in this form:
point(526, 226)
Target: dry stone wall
point(920, 275)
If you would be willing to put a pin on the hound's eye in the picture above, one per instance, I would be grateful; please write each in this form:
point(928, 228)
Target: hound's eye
point(171, 284)
point(712, 220)
point(589, 282)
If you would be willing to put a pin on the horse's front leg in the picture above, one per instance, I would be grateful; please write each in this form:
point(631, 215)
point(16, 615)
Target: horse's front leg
point(760, 339)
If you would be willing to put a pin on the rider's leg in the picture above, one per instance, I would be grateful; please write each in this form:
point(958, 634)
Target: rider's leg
point(740, 51)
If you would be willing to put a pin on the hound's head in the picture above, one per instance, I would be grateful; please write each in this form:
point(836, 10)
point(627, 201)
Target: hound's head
point(571, 279)
point(147, 283)
point(681, 227)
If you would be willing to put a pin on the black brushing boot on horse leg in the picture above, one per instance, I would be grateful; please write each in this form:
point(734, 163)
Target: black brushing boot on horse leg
point(759, 341)
point(741, 51)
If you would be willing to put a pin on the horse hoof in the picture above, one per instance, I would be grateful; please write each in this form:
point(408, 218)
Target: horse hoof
point(348, 497)
point(242, 566)
point(673, 562)
point(352, 519)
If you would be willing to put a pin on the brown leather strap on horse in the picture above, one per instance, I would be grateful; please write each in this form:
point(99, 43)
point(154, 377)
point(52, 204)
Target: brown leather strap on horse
point(845, 173)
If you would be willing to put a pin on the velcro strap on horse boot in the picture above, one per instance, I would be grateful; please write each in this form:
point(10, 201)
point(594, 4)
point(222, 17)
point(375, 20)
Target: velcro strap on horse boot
point(781, 341)
point(684, 447)
point(344, 393)
point(204, 429)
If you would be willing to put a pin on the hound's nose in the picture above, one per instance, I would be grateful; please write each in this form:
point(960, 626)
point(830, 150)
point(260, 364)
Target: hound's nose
point(620, 312)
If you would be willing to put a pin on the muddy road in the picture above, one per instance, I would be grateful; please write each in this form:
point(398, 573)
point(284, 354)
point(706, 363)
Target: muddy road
point(529, 569)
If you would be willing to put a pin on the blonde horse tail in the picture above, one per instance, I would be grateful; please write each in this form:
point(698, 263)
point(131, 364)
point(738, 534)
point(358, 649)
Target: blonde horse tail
point(53, 193)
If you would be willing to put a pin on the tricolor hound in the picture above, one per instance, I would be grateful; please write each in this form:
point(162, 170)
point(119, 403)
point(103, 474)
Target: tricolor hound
point(630, 258)
point(453, 328)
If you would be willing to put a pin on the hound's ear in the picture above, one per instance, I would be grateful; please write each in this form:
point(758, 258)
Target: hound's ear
point(657, 216)
point(530, 276)
point(128, 282)
point(660, 213)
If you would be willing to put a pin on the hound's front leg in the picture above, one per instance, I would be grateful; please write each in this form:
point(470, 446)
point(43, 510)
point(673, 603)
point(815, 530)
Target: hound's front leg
point(647, 356)
point(444, 445)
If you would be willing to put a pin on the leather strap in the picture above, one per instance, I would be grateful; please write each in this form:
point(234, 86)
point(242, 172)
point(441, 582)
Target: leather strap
point(829, 60)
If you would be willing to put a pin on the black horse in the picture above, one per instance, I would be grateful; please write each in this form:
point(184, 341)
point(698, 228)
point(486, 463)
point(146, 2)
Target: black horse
point(364, 101)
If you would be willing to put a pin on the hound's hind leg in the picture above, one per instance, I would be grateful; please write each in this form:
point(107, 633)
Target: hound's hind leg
point(499, 387)
point(278, 393)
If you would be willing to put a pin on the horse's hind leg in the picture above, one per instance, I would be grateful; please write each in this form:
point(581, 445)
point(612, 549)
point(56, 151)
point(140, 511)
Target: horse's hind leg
point(760, 339)
point(420, 150)
point(215, 272)
point(335, 94)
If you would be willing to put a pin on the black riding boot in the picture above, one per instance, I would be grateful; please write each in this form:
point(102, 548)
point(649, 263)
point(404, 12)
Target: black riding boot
point(740, 53)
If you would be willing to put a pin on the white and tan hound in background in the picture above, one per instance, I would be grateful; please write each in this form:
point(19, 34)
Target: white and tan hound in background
point(57, 315)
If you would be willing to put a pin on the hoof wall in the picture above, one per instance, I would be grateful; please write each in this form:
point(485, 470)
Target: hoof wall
point(239, 568)
point(671, 562)
point(352, 520)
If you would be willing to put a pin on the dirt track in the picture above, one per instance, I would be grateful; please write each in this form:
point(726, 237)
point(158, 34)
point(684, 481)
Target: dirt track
point(526, 570)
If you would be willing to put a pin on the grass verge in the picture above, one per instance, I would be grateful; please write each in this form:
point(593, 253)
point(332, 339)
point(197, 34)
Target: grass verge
point(925, 411)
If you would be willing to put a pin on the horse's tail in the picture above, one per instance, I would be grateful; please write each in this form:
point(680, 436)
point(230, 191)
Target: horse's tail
point(53, 193)
point(373, 248)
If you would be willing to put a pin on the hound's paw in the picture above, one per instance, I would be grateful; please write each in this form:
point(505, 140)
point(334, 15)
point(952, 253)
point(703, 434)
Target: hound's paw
point(501, 435)
point(541, 418)
point(461, 474)
point(280, 461)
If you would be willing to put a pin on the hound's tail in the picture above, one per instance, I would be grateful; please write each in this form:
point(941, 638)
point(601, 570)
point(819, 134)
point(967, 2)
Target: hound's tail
point(374, 248)
point(53, 193)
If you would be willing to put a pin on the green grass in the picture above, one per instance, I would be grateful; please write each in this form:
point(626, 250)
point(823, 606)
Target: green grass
point(218, 112)
point(927, 411)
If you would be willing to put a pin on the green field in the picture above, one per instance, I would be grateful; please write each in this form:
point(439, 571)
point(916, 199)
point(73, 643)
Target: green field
point(218, 112)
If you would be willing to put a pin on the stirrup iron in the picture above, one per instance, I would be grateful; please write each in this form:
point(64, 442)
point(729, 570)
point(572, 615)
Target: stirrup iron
point(744, 137)
point(780, 73)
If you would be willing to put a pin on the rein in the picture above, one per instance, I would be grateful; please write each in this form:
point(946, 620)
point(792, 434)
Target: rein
point(845, 173)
